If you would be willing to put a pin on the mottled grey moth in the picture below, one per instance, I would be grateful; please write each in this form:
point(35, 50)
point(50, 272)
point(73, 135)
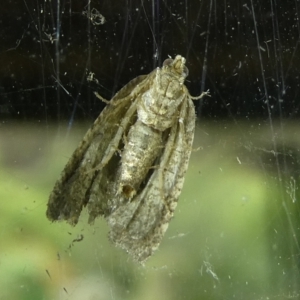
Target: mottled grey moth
point(130, 165)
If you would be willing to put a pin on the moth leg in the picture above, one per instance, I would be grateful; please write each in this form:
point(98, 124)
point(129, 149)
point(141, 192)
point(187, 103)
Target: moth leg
point(203, 94)
point(101, 98)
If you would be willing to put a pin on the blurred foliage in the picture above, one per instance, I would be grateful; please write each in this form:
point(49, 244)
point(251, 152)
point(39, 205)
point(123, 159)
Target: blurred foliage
point(235, 234)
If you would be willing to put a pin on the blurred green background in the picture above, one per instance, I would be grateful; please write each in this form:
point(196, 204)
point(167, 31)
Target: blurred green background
point(235, 234)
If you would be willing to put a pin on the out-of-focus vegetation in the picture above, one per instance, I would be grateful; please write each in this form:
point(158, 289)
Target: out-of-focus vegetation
point(235, 234)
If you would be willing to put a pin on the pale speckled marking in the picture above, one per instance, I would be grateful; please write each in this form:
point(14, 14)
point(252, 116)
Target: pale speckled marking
point(130, 166)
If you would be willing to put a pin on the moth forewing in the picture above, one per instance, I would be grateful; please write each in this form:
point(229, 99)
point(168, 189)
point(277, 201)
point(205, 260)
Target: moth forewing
point(71, 192)
point(185, 134)
point(130, 166)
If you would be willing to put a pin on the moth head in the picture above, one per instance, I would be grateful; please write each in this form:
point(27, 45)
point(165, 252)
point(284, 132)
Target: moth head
point(177, 66)
point(169, 81)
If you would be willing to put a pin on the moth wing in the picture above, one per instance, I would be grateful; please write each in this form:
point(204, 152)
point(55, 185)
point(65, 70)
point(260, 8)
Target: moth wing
point(72, 191)
point(138, 226)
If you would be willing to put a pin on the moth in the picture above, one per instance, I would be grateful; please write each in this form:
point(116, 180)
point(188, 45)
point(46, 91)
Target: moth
point(130, 166)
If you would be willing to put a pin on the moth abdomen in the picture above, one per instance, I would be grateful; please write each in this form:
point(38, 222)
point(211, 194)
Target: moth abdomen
point(142, 147)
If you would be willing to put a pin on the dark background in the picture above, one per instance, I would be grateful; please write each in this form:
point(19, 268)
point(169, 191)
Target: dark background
point(245, 52)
